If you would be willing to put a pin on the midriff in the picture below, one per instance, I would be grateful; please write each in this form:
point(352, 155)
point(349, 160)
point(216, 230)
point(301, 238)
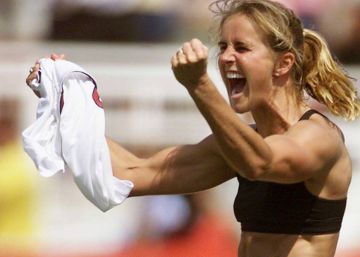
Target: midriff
point(254, 244)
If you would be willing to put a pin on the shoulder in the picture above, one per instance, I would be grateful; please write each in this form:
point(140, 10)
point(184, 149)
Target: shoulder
point(317, 130)
point(321, 138)
point(326, 141)
point(308, 149)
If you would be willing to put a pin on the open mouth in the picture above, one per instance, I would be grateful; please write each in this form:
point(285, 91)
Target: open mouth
point(237, 83)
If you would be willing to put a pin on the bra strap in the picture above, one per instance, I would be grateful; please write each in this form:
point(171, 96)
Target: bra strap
point(310, 112)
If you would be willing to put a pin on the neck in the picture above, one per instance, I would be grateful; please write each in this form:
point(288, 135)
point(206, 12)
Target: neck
point(279, 114)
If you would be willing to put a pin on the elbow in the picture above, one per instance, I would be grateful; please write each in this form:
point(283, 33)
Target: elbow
point(250, 175)
point(254, 164)
point(256, 170)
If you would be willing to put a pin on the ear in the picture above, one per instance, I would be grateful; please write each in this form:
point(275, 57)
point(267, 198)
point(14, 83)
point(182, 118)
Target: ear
point(284, 64)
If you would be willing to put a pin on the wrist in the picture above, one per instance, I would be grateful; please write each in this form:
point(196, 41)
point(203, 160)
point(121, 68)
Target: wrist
point(202, 84)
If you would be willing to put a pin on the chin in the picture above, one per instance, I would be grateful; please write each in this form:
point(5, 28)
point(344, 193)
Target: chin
point(239, 109)
point(240, 106)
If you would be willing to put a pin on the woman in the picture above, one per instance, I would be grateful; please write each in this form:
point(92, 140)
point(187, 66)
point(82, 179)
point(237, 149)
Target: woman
point(292, 165)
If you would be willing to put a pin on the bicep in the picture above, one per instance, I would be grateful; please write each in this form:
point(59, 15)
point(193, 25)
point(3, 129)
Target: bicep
point(299, 156)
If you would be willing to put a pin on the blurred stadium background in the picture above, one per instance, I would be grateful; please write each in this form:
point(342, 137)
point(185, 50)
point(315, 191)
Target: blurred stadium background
point(127, 45)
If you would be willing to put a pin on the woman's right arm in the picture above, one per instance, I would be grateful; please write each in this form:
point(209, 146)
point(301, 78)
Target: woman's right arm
point(175, 170)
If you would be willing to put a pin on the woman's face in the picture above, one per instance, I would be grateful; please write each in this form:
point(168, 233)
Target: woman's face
point(246, 63)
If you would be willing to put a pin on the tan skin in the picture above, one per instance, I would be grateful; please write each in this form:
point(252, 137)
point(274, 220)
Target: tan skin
point(283, 151)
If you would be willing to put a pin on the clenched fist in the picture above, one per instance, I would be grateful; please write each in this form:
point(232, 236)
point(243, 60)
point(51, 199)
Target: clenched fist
point(189, 64)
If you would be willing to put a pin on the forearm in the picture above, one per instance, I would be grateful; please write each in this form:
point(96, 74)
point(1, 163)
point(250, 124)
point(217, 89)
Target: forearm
point(125, 166)
point(174, 170)
point(243, 149)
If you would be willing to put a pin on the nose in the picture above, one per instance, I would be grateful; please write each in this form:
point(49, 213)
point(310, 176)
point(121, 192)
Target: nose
point(227, 56)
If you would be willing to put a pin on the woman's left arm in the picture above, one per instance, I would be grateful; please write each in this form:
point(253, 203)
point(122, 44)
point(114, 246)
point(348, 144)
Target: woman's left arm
point(242, 148)
point(291, 157)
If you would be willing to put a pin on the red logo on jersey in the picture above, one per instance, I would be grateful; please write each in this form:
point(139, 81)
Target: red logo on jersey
point(97, 99)
point(95, 96)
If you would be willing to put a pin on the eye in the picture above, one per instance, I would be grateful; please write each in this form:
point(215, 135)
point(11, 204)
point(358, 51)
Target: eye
point(222, 48)
point(241, 49)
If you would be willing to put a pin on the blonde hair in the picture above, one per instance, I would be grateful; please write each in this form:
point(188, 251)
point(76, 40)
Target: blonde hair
point(315, 71)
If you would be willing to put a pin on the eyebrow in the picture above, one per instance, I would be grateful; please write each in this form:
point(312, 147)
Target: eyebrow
point(237, 43)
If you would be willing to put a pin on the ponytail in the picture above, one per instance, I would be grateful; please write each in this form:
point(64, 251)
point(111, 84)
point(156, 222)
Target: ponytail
point(325, 81)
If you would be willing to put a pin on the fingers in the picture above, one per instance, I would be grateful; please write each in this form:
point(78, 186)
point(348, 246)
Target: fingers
point(32, 76)
point(56, 57)
point(32, 73)
point(191, 52)
point(200, 49)
point(180, 54)
point(174, 61)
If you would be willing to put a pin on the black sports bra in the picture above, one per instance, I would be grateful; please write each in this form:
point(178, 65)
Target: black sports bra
point(269, 207)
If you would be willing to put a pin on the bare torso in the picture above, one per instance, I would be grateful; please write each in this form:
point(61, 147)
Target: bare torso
point(282, 245)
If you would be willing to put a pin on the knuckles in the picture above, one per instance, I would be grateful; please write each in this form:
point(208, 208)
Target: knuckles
point(194, 51)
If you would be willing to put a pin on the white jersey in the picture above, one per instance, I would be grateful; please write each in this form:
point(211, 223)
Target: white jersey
point(69, 133)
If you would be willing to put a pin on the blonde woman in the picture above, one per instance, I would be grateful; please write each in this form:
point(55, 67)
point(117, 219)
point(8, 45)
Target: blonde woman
point(292, 165)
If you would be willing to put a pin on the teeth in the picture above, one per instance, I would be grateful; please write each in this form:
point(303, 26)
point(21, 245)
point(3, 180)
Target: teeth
point(234, 76)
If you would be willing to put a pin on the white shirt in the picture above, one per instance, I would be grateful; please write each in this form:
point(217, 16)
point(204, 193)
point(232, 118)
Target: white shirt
point(69, 133)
